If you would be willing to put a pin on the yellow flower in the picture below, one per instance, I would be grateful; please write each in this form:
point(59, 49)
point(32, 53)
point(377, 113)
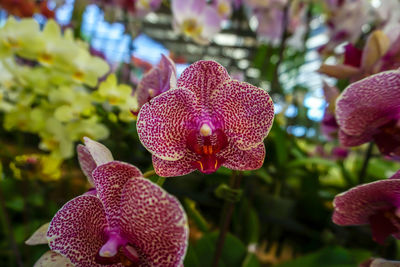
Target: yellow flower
point(36, 166)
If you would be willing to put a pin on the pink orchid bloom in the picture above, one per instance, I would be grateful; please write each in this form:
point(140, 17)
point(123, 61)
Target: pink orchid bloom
point(208, 121)
point(376, 203)
point(128, 221)
point(379, 54)
point(369, 110)
point(196, 19)
point(158, 80)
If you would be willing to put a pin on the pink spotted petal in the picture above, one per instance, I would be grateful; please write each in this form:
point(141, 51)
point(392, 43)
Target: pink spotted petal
point(154, 222)
point(353, 140)
point(158, 80)
point(53, 259)
point(110, 179)
point(161, 123)
point(203, 78)
point(76, 230)
point(370, 103)
point(91, 155)
point(243, 160)
point(168, 168)
point(247, 112)
point(356, 206)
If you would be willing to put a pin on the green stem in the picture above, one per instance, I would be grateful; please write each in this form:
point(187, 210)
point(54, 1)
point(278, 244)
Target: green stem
point(160, 181)
point(364, 167)
point(149, 174)
point(229, 206)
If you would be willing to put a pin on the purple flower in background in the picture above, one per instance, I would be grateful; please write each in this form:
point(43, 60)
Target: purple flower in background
point(329, 126)
point(375, 203)
point(369, 110)
point(209, 120)
point(345, 20)
point(196, 19)
point(223, 7)
point(130, 221)
point(158, 80)
point(379, 54)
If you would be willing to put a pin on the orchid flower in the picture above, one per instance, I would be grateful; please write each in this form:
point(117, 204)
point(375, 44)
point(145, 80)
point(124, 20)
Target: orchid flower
point(196, 19)
point(369, 110)
point(376, 203)
point(126, 221)
point(208, 121)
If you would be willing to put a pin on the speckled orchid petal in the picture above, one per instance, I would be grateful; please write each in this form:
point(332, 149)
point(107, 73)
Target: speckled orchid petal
point(53, 259)
point(247, 112)
point(158, 80)
point(354, 140)
point(154, 222)
point(183, 166)
point(161, 123)
point(355, 206)
point(76, 230)
point(237, 159)
point(203, 78)
point(368, 104)
point(39, 236)
point(91, 155)
point(110, 179)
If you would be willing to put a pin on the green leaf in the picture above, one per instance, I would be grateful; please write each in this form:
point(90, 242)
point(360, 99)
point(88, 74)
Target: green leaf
point(330, 257)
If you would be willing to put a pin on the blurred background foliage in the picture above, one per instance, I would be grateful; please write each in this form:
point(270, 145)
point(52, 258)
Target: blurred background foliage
point(284, 215)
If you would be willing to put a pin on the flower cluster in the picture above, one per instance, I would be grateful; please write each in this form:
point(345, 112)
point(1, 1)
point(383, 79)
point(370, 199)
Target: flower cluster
point(44, 86)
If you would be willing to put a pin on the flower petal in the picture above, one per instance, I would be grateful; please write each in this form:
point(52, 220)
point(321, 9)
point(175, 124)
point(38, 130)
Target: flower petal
point(161, 123)
point(354, 140)
point(368, 104)
point(203, 78)
point(53, 259)
point(168, 168)
point(247, 112)
point(110, 179)
point(155, 222)
point(243, 160)
point(39, 236)
point(86, 162)
point(100, 153)
point(377, 45)
point(339, 71)
point(355, 206)
point(76, 230)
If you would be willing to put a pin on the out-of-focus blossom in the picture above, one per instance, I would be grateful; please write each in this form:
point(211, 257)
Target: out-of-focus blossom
point(43, 85)
point(118, 95)
point(339, 153)
point(329, 126)
point(36, 166)
point(270, 15)
point(129, 222)
point(377, 262)
point(196, 19)
point(376, 204)
point(378, 55)
point(224, 8)
point(155, 82)
point(27, 8)
point(389, 18)
point(345, 20)
point(208, 121)
point(369, 110)
point(116, 9)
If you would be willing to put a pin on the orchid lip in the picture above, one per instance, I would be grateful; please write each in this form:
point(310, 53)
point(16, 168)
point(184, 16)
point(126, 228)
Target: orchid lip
point(111, 247)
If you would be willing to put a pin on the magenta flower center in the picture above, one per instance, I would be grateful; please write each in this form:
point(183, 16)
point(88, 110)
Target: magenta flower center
point(388, 138)
point(206, 139)
point(117, 250)
point(384, 223)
